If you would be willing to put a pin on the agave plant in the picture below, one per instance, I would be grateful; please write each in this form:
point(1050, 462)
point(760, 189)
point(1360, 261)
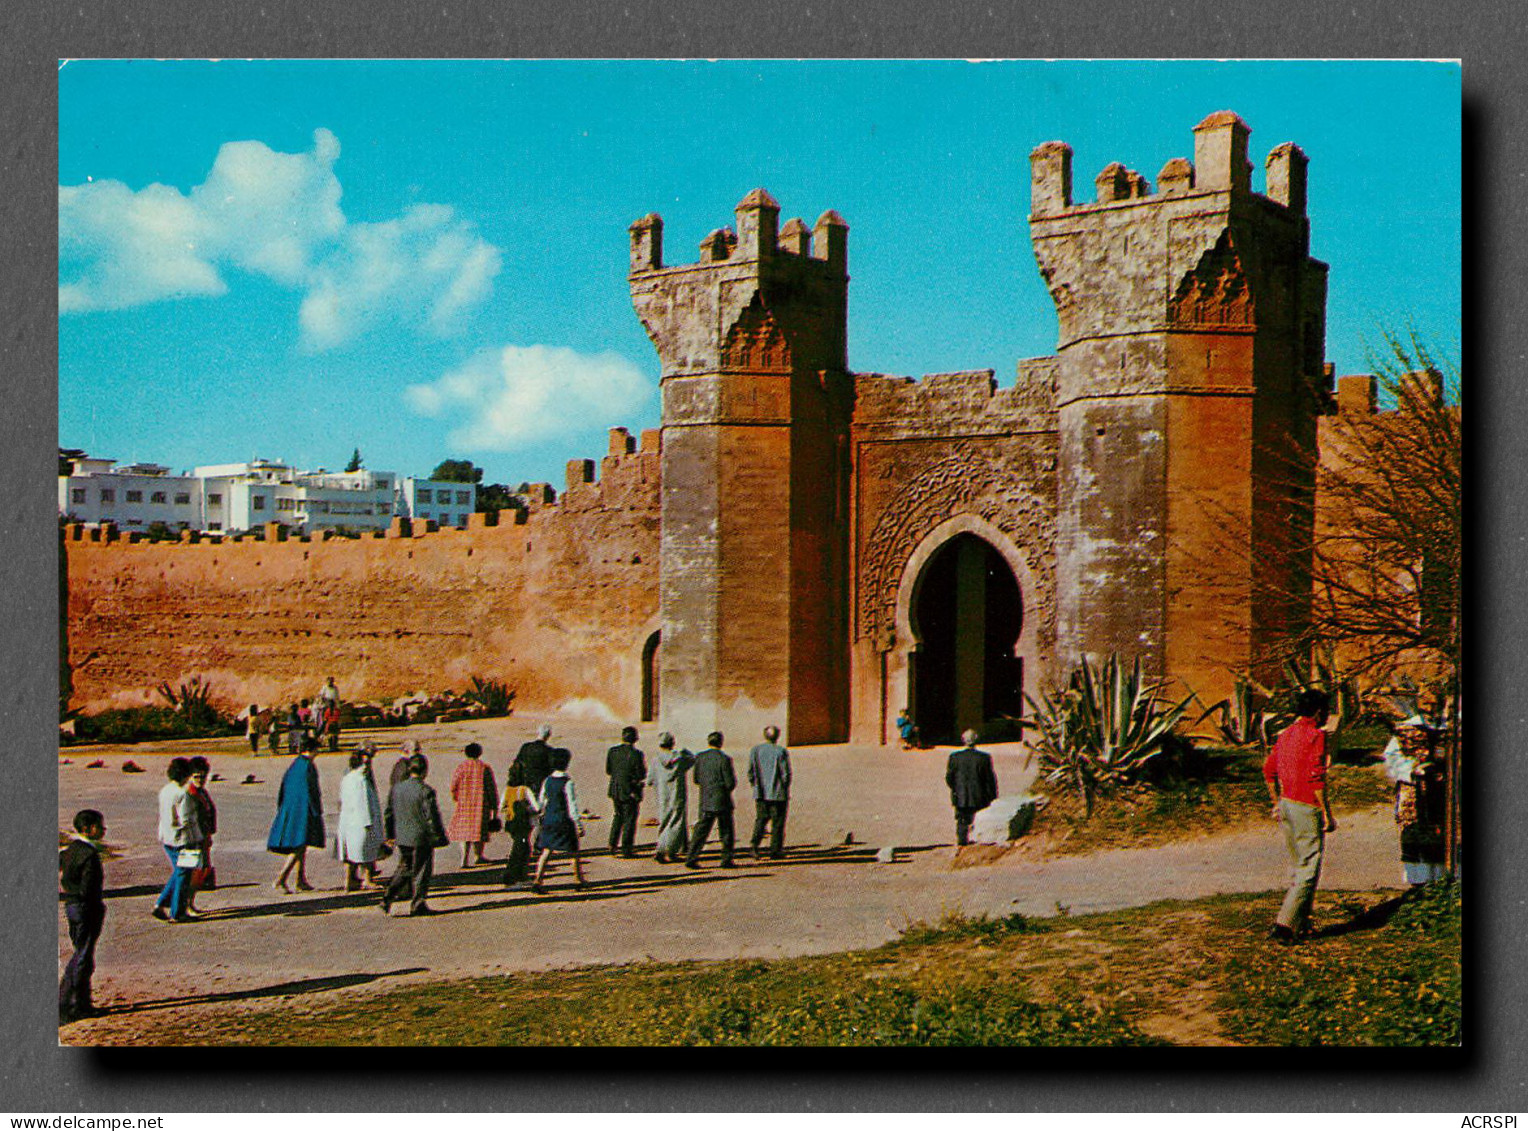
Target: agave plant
point(492, 694)
point(1322, 674)
point(193, 701)
point(1101, 730)
point(1239, 718)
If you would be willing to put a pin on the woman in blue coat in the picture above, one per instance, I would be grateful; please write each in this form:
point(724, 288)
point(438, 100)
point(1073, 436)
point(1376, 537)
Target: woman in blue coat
point(299, 823)
point(561, 819)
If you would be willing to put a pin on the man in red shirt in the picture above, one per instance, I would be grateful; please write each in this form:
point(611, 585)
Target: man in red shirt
point(1295, 771)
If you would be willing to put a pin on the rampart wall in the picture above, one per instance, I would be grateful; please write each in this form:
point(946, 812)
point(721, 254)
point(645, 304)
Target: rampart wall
point(556, 600)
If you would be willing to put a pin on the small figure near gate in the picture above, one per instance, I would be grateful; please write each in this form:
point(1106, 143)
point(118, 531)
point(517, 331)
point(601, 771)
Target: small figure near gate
point(769, 772)
point(909, 732)
point(972, 782)
point(717, 779)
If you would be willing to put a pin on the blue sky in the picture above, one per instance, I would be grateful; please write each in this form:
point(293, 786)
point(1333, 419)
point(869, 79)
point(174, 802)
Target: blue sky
point(427, 260)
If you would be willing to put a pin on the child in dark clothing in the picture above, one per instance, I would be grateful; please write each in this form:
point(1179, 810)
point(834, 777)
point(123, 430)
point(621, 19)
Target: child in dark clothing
point(81, 877)
point(519, 807)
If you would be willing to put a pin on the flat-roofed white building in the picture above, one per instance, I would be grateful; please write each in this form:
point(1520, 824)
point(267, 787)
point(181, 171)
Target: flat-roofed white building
point(334, 500)
point(448, 503)
point(234, 497)
point(134, 496)
point(261, 491)
point(241, 496)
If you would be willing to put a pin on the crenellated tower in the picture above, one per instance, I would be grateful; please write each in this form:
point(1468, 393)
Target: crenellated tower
point(756, 407)
point(1190, 377)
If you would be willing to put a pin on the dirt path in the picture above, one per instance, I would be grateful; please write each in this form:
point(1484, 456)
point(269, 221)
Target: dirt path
point(826, 896)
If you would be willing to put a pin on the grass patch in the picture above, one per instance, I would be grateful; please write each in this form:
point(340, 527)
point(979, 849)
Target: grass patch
point(1407, 992)
point(1197, 972)
point(1227, 794)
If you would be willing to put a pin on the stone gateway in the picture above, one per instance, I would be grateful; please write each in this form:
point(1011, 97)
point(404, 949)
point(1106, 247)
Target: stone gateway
point(805, 545)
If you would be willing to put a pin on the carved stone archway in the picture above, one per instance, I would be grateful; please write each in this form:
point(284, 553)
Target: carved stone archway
point(898, 660)
point(965, 483)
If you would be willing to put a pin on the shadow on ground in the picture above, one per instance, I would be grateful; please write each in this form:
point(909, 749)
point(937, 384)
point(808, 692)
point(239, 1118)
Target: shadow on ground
point(280, 989)
point(1367, 919)
point(560, 887)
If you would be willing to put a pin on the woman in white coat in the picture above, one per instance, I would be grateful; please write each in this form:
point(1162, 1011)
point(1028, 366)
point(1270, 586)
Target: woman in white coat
point(361, 830)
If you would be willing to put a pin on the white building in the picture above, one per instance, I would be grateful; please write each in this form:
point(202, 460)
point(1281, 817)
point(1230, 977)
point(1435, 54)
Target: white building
point(134, 496)
point(235, 497)
point(245, 495)
point(447, 503)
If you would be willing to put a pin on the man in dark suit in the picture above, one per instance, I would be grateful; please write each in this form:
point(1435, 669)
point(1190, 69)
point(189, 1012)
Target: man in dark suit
point(535, 760)
point(769, 772)
point(716, 779)
point(972, 782)
point(628, 773)
point(412, 821)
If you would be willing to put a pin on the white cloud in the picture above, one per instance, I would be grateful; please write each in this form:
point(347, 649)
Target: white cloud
point(138, 247)
point(426, 265)
point(510, 397)
point(271, 212)
point(276, 215)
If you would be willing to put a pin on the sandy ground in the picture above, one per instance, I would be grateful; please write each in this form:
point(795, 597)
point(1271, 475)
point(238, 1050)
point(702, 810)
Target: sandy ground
point(825, 896)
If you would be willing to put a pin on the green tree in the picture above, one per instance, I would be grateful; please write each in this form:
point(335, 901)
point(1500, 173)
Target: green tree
point(457, 471)
point(494, 497)
point(355, 461)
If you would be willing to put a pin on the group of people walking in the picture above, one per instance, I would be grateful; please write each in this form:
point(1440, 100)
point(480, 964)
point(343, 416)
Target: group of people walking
point(188, 820)
point(538, 809)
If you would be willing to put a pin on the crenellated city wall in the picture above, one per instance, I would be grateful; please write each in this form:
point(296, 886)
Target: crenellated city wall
point(556, 600)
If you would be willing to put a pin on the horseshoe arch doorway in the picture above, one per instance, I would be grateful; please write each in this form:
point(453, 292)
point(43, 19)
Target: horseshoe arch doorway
point(966, 614)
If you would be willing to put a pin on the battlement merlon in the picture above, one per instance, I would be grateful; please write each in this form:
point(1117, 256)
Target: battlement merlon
point(1220, 165)
point(756, 236)
point(760, 299)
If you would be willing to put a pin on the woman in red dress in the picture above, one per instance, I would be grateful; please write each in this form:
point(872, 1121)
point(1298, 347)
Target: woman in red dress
point(477, 804)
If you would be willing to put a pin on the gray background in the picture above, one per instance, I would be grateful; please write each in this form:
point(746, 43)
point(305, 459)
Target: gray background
point(36, 1075)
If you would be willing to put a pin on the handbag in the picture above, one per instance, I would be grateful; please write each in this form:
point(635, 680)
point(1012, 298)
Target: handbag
point(205, 879)
point(189, 858)
point(494, 824)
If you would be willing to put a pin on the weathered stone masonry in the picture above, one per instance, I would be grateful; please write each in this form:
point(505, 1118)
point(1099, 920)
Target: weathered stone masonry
point(558, 604)
point(821, 548)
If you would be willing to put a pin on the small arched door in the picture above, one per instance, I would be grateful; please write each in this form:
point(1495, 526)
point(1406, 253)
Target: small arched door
point(650, 677)
point(967, 613)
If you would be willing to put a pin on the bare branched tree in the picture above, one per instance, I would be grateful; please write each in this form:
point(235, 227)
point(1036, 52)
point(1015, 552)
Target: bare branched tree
point(1388, 530)
point(1389, 537)
point(1361, 557)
